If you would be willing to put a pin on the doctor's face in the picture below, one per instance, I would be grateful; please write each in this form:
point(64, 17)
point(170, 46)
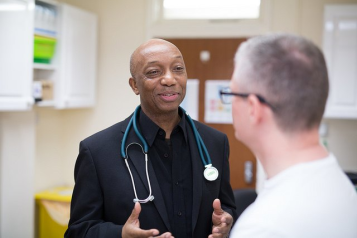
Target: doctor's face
point(160, 77)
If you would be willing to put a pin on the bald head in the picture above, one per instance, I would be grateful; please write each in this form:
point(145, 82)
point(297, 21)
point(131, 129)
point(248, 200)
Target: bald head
point(151, 45)
point(159, 77)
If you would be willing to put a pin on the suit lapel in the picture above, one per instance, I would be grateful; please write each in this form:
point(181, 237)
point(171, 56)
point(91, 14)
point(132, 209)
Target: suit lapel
point(137, 159)
point(197, 176)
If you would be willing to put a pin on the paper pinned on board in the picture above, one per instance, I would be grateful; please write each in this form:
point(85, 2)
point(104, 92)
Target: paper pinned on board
point(215, 110)
point(191, 101)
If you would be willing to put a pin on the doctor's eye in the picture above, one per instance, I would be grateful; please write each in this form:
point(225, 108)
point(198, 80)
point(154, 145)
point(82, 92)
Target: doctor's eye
point(179, 69)
point(153, 73)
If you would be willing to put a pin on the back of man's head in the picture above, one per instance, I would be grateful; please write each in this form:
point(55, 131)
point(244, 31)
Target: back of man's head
point(290, 73)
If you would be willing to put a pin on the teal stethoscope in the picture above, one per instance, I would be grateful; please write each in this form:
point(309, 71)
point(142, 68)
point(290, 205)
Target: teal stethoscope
point(210, 172)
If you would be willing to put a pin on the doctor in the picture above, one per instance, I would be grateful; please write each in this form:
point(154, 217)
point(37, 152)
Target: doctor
point(181, 201)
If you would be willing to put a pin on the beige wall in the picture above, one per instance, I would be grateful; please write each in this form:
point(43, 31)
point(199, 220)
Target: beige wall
point(49, 161)
point(342, 141)
point(122, 27)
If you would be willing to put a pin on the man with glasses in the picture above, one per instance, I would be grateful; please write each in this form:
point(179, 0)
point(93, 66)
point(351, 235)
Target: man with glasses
point(278, 93)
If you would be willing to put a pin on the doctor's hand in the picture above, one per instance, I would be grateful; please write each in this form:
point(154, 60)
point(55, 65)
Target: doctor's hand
point(131, 228)
point(222, 221)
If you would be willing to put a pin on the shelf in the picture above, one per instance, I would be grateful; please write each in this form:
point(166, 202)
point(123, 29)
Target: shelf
point(45, 33)
point(48, 103)
point(44, 66)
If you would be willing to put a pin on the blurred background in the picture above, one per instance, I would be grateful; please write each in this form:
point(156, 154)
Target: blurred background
point(64, 70)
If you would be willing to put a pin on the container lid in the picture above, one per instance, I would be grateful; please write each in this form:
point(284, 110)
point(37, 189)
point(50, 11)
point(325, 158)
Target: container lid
point(60, 194)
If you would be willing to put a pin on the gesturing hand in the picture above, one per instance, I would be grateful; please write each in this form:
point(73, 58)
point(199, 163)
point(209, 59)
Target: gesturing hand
point(132, 229)
point(222, 221)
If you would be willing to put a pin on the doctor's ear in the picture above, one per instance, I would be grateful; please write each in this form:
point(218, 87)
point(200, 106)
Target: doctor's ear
point(133, 86)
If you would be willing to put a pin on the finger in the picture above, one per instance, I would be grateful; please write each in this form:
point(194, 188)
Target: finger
point(217, 209)
point(216, 236)
point(217, 212)
point(223, 234)
point(218, 229)
point(224, 227)
point(165, 235)
point(227, 218)
point(147, 233)
point(221, 229)
point(132, 226)
point(135, 213)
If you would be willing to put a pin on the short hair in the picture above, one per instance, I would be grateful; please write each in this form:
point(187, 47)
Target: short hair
point(290, 72)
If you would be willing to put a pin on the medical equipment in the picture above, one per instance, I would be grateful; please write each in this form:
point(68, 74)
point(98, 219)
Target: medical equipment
point(210, 172)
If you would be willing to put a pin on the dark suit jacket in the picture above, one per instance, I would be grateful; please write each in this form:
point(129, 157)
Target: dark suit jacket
point(103, 194)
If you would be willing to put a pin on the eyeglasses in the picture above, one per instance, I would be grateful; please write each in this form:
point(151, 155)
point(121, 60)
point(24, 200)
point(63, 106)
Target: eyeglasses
point(227, 97)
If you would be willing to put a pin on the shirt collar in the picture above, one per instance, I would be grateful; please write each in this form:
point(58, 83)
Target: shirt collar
point(149, 129)
point(300, 169)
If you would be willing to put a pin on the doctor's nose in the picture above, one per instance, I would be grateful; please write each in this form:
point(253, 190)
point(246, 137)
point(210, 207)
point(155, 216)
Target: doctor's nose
point(168, 79)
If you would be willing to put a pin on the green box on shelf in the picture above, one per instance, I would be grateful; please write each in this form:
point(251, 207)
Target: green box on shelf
point(44, 49)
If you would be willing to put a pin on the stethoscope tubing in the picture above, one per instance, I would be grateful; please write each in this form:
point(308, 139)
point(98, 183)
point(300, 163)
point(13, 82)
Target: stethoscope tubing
point(145, 149)
point(200, 143)
point(136, 199)
point(132, 122)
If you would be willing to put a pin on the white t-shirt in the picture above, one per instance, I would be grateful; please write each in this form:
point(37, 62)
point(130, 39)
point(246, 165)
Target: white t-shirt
point(313, 199)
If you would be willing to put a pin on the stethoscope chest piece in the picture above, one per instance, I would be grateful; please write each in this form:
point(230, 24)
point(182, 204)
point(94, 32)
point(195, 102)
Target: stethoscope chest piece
point(210, 173)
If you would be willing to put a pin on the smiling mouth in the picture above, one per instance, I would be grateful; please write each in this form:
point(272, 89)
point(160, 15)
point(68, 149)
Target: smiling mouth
point(169, 97)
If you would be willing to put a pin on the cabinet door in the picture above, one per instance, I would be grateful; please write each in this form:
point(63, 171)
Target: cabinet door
point(16, 45)
point(77, 46)
point(340, 48)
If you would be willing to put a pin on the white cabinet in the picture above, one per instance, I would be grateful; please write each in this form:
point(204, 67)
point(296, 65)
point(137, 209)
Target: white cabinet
point(77, 62)
point(340, 49)
point(72, 71)
point(16, 46)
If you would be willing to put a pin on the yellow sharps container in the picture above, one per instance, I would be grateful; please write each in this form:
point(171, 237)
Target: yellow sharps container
point(53, 211)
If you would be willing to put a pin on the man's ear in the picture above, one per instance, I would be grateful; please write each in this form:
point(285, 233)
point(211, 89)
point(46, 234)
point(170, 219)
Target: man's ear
point(255, 109)
point(133, 85)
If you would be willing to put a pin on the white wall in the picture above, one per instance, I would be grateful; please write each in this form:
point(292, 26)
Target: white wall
point(17, 156)
point(122, 27)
